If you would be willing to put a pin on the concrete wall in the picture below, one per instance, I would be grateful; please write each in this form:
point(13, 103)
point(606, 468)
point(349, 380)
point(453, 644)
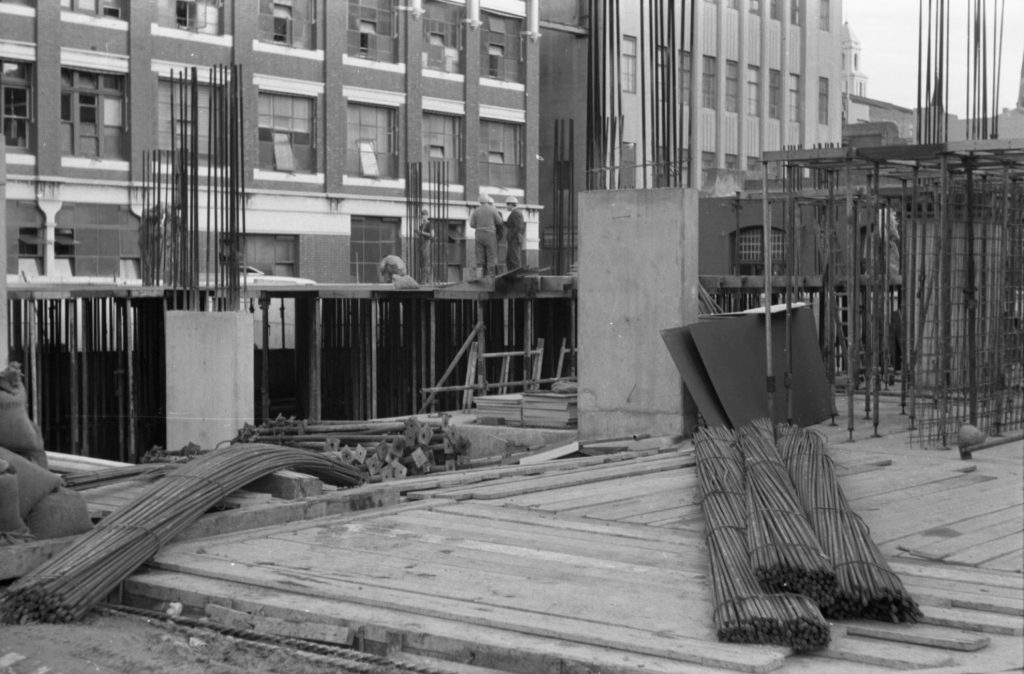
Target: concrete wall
point(210, 377)
point(637, 275)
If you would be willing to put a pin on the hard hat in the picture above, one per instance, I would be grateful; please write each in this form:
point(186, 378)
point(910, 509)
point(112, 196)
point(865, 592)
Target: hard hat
point(511, 200)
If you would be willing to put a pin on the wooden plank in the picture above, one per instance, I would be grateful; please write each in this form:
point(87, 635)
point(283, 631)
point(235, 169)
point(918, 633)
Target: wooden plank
point(957, 573)
point(1011, 562)
point(978, 621)
point(455, 640)
point(305, 629)
point(881, 654)
point(666, 643)
point(1009, 542)
point(561, 523)
point(551, 454)
point(922, 635)
point(963, 534)
point(17, 560)
point(950, 593)
point(287, 484)
point(546, 482)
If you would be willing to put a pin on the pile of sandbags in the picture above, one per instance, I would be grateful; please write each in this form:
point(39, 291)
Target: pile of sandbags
point(33, 501)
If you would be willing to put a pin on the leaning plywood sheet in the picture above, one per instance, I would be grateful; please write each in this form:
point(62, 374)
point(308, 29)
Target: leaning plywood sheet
point(732, 350)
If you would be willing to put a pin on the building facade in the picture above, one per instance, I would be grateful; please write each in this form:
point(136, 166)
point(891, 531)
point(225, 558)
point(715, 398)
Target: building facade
point(666, 94)
point(355, 112)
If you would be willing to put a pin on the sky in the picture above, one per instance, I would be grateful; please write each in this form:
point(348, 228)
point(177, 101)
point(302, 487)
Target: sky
point(888, 34)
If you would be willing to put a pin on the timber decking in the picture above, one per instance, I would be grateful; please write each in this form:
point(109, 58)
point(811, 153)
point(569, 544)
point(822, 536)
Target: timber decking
point(602, 567)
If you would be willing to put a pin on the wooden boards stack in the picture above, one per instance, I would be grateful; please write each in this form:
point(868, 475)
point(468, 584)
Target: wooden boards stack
point(508, 406)
point(549, 410)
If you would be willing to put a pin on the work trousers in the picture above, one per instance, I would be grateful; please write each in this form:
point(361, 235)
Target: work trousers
point(514, 255)
point(486, 252)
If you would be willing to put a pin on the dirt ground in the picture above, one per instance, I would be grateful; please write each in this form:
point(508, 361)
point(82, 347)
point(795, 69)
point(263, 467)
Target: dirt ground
point(106, 643)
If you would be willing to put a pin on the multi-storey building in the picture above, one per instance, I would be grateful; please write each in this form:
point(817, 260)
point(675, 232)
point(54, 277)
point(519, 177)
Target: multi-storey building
point(348, 107)
point(666, 93)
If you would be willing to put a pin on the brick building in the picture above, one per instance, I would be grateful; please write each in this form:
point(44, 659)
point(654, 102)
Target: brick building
point(348, 107)
point(689, 93)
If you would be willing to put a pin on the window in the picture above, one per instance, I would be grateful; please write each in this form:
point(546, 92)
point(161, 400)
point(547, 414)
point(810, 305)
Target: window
point(501, 154)
point(753, 90)
point(825, 15)
point(628, 64)
point(794, 12)
point(732, 162)
point(288, 22)
point(373, 141)
point(443, 141)
point(774, 93)
point(97, 240)
point(15, 94)
point(733, 4)
point(442, 36)
point(111, 8)
point(710, 82)
point(753, 164)
point(199, 16)
point(749, 250)
point(92, 114)
point(372, 239)
point(372, 31)
point(182, 115)
point(272, 254)
point(732, 86)
point(755, 6)
point(286, 132)
point(822, 100)
point(776, 9)
point(500, 45)
point(686, 63)
point(794, 98)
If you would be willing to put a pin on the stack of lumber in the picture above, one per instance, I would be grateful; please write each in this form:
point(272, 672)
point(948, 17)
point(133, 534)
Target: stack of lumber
point(507, 406)
point(545, 409)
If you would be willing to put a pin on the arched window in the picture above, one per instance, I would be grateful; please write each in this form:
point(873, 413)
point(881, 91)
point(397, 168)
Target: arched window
point(748, 251)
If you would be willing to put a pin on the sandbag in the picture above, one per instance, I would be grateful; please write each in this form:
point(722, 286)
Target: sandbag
point(10, 513)
point(63, 512)
point(17, 432)
point(34, 482)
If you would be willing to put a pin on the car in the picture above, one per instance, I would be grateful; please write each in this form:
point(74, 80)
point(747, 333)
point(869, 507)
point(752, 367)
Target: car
point(253, 276)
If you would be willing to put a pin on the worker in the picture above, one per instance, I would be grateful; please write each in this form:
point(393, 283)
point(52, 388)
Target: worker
point(487, 222)
point(424, 240)
point(393, 269)
point(515, 228)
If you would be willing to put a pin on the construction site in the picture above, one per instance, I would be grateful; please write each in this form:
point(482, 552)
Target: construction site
point(605, 453)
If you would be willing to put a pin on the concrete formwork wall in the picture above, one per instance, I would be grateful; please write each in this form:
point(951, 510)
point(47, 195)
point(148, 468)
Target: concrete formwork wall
point(637, 275)
point(209, 377)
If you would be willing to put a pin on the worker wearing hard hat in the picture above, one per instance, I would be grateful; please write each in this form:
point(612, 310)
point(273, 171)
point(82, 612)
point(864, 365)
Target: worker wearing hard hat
point(515, 228)
point(486, 220)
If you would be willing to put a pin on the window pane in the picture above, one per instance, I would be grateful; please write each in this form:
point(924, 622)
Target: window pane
point(87, 108)
point(112, 112)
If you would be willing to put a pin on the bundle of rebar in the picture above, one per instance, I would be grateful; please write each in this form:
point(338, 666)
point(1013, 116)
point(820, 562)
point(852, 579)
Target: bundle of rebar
point(743, 612)
point(784, 550)
point(865, 585)
point(68, 585)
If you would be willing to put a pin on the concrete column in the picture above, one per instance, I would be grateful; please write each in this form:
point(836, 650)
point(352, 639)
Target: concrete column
point(210, 376)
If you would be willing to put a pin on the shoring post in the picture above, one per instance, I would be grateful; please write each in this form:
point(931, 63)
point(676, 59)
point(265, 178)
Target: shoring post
point(852, 351)
point(767, 270)
point(265, 359)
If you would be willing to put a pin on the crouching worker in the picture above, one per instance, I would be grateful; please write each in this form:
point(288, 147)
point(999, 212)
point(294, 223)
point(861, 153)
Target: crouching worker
point(393, 269)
